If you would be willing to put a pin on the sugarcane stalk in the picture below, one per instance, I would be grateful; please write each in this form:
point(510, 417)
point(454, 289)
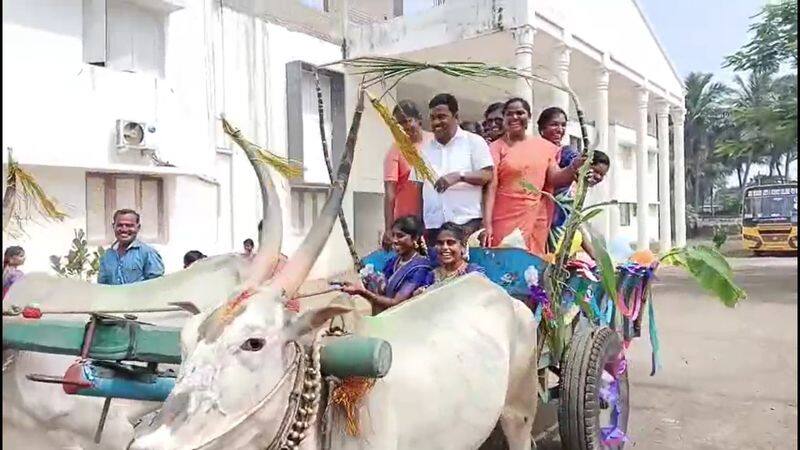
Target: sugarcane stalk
point(326, 154)
point(555, 275)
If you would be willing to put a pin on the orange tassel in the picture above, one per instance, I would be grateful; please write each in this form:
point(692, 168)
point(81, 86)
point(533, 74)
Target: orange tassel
point(348, 396)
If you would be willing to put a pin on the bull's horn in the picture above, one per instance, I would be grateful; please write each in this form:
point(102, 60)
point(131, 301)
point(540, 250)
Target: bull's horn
point(298, 267)
point(266, 259)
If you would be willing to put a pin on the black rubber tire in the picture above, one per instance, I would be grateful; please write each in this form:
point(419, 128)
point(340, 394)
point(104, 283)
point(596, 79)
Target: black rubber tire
point(579, 404)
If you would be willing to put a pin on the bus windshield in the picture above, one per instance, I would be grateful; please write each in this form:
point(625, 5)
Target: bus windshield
point(771, 204)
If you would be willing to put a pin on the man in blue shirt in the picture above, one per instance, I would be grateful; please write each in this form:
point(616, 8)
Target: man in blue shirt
point(129, 260)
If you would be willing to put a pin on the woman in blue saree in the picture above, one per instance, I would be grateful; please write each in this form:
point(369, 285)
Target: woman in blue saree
point(404, 273)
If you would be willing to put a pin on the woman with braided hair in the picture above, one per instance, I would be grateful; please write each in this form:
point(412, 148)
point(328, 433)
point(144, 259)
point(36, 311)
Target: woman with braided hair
point(404, 273)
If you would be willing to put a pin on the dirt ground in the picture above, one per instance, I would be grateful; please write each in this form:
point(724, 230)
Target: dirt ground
point(729, 376)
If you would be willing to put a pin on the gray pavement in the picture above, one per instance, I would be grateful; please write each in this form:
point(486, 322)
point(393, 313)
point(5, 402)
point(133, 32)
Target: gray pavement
point(729, 376)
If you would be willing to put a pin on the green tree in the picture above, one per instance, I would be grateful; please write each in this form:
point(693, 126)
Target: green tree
point(704, 110)
point(750, 134)
point(772, 45)
point(773, 40)
point(79, 262)
point(784, 121)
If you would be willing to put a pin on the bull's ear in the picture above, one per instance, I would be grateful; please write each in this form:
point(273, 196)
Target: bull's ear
point(315, 318)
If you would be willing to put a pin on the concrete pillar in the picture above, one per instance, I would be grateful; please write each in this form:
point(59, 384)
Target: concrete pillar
point(523, 61)
point(642, 238)
point(601, 126)
point(678, 117)
point(613, 181)
point(562, 60)
point(664, 205)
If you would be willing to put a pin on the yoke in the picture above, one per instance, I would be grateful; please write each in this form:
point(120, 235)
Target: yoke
point(112, 339)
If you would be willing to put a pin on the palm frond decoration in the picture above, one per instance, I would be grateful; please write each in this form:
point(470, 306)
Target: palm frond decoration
point(23, 189)
point(382, 70)
point(407, 148)
point(284, 166)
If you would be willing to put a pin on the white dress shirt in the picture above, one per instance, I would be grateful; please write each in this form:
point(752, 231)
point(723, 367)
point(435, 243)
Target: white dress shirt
point(461, 202)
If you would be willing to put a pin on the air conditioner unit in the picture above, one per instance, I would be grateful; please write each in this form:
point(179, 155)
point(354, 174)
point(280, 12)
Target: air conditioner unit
point(135, 135)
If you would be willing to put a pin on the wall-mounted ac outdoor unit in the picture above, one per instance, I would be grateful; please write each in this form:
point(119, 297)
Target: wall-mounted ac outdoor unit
point(135, 135)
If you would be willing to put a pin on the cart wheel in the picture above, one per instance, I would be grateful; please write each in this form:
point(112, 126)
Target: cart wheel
point(593, 407)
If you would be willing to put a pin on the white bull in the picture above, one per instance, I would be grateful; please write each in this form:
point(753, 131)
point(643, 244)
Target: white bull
point(41, 416)
point(464, 357)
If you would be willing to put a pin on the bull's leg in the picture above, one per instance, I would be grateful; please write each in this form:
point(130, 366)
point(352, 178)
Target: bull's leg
point(521, 399)
point(517, 426)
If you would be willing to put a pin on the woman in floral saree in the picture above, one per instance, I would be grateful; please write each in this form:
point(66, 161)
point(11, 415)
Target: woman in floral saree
point(404, 273)
point(452, 255)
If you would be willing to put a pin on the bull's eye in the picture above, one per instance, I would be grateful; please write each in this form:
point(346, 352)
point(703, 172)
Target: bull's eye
point(253, 344)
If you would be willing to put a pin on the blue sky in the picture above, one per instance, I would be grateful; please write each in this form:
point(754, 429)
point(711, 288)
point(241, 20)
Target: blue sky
point(698, 34)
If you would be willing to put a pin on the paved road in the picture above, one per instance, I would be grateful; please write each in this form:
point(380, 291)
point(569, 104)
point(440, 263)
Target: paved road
point(729, 377)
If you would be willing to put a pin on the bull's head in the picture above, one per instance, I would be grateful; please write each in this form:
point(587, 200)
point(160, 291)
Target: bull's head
point(243, 361)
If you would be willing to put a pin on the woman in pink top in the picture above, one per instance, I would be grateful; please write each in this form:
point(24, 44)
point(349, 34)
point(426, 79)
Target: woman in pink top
point(522, 160)
point(402, 197)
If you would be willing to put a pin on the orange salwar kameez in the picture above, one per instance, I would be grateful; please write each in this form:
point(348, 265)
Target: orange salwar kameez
point(516, 206)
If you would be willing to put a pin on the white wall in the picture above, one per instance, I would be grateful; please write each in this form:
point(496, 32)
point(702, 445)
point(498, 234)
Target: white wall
point(619, 28)
point(41, 238)
point(625, 139)
point(60, 112)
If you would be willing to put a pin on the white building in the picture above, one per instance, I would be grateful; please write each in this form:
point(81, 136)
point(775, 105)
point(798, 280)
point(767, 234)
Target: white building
point(73, 68)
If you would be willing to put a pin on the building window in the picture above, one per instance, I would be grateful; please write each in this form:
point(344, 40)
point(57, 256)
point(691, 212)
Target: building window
point(319, 5)
point(576, 143)
point(123, 35)
point(627, 158)
point(625, 214)
point(307, 201)
point(303, 119)
point(304, 144)
point(652, 162)
point(106, 193)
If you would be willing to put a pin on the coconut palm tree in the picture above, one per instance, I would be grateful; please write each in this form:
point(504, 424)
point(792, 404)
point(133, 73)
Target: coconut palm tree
point(758, 131)
point(704, 108)
point(785, 121)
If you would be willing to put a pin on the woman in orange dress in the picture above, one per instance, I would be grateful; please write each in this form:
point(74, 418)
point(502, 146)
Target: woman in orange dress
point(524, 166)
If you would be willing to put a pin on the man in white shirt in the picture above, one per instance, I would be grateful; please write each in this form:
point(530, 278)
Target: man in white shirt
point(464, 163)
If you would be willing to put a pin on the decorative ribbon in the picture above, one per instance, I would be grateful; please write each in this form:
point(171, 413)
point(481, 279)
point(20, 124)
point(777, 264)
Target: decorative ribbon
point(654, 344)
point(539, 303)
point(612, 435)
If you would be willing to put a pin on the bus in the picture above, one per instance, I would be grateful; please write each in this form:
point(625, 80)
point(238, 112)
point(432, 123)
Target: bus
point(769, 218)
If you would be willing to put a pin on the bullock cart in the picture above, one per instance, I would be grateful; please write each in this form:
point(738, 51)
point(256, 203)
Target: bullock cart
point(589, 381)
point(122, 357)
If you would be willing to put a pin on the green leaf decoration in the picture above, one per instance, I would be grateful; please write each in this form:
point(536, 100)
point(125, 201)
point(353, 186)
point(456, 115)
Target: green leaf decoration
point(600, 205)
point(711, 271)
point(586, 217)
point(608, 273)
